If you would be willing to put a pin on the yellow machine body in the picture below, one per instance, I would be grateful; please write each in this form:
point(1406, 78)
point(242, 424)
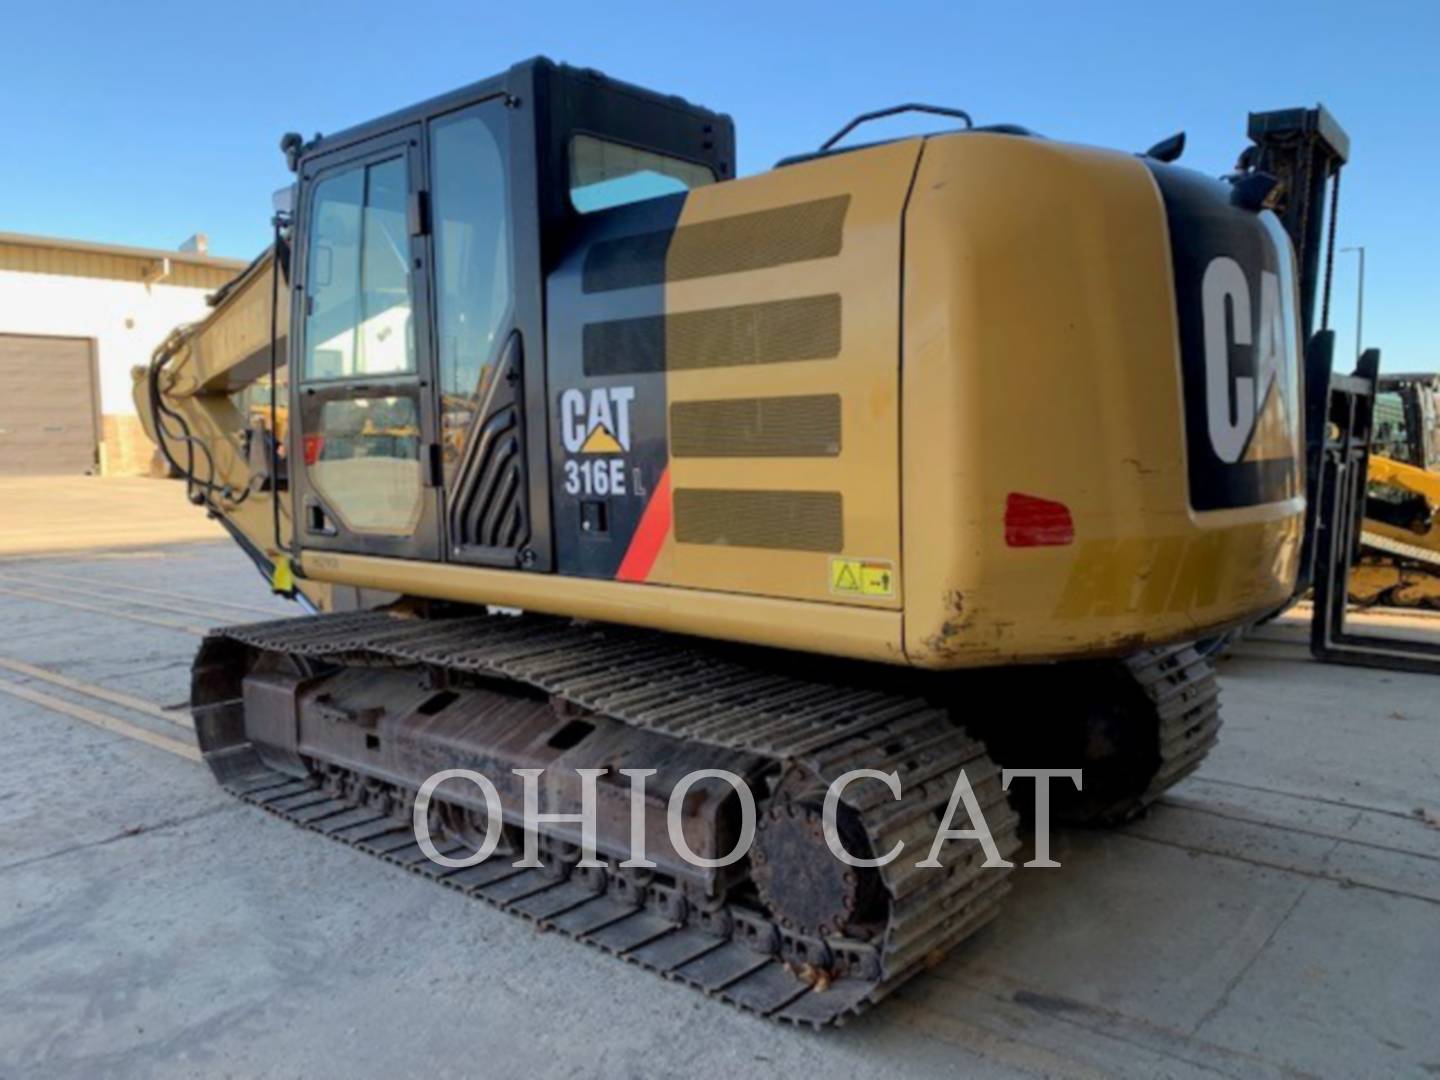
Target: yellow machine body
point(1002, 422)
point(1400, 561)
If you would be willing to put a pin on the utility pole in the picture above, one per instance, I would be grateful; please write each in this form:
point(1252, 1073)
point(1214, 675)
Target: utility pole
point(1360, 301)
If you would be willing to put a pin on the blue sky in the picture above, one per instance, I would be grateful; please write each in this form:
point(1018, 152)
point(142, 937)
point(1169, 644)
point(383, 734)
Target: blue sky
point(141, 123)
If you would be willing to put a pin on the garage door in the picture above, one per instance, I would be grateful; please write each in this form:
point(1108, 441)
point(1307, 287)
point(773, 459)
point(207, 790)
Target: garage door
point(47, 406)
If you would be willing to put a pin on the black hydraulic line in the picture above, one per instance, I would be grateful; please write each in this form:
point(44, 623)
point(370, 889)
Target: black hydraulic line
point(159, 411)
point(275, 385)
point(1330, 252)
point(260, 560)
point(152, 388)
point(1311, 233)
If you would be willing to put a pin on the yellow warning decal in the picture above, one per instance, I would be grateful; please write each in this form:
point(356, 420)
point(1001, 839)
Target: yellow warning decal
point(600, 441)
point(282, 580)
point(862, 577)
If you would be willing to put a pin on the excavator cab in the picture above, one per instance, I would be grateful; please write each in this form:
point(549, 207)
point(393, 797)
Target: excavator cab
point(421, 246)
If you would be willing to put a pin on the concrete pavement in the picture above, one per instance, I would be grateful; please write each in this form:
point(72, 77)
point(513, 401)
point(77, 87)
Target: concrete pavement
point(83, 513)
point(1276, 915)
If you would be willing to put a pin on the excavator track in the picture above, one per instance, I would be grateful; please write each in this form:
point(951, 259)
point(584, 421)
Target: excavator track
point(811, 732)
point(1135, 727)
point(1183, 693)
point(1412, 552)
point(1392, 573)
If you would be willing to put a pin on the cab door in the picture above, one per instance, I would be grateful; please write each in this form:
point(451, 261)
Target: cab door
point(480, 334)
point(368, 479)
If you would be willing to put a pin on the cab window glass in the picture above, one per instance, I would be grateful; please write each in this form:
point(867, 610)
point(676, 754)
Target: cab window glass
point(257, 411)
point(1392, 437)
point(358, 275)
point(364, 461)
point(605, 174)
point(472, 267)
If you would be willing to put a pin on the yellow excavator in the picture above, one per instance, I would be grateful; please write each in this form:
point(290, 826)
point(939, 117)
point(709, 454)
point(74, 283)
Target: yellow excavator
point(1399, 557)
point(924, 456)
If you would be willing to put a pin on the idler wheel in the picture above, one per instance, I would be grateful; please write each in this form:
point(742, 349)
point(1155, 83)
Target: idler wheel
point(807, 889)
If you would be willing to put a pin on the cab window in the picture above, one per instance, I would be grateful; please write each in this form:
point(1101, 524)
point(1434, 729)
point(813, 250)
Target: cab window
point(365, 462)
point(361, 432)
point(605, 174)
point(472, 267)
point(359, 276)
point(1392, 438)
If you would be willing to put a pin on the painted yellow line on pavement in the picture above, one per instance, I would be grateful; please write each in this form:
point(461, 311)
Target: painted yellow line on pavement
point(102, 720)
point(169, 624)
point(203, 601)
point(175, 607)
point(80, 558)
point(100, 693)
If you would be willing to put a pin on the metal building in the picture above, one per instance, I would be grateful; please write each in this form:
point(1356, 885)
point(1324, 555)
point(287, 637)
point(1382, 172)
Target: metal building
point(75, 317)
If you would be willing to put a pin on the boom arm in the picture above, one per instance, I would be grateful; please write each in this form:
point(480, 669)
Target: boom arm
point(204, 400)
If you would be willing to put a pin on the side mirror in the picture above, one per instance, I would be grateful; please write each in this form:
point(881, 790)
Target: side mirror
point(283, 200)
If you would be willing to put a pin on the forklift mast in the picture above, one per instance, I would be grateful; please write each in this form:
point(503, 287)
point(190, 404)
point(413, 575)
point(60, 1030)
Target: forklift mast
point(1303, 151)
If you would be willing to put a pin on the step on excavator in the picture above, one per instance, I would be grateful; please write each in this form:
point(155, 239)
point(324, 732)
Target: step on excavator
point(930, 456)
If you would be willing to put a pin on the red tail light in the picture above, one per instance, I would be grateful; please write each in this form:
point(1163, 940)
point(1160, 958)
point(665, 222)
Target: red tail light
point(1033, 522)
point(314, 447)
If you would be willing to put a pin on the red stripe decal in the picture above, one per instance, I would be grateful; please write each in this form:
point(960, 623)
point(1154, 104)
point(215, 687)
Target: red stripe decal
point(649, 534)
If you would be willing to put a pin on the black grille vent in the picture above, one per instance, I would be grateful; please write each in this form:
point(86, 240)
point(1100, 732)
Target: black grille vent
point(806, 328)
point(807, 426)
point(489, 517)
point(492, 511)
point(754, 241)
point(785, 520)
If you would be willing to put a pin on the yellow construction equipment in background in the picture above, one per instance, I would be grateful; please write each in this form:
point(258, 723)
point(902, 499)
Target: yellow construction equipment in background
point(1400, 541)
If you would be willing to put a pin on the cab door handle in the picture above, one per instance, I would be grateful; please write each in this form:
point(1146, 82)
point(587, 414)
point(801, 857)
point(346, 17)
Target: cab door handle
point(432, 465)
